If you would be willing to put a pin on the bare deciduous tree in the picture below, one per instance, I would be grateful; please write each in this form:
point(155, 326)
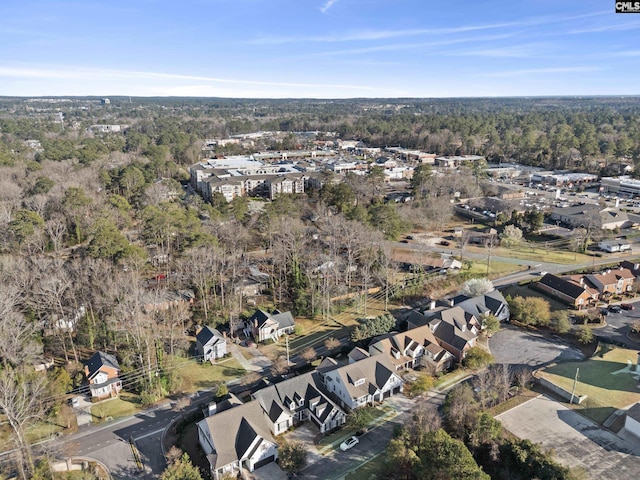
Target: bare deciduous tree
point(308, 354)
point(21, 402)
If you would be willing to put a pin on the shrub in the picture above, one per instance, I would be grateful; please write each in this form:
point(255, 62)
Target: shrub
point(477, 357)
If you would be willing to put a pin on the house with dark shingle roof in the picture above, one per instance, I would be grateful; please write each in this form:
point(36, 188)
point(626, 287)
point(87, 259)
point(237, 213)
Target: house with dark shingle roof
point(565, 290)
point(210, 344)
point(413, 348)
point(270, 326)
point(490, 303)
point(299, 399)
point(364, 382)
point(237, 438)
point(102, 371)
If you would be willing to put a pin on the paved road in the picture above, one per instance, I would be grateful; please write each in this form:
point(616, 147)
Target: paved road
point(109, 443)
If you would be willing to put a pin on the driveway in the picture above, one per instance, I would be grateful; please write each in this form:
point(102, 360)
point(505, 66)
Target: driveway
point(257, 361)
point(513, 346)
point(577, 441)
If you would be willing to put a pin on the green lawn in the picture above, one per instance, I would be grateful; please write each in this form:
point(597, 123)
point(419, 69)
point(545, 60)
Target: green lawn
point(125, 405)
point(537, 254)
point(479, 267)
point(198, 376)
point(605, 390)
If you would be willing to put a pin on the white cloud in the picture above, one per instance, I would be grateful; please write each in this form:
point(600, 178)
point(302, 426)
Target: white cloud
point(537, 71)
point(96, 81)
point(327, 5)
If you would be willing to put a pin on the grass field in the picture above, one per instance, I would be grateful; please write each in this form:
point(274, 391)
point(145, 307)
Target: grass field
point(126, 404)
point(198, 376)
point(536, 254)
point(606, 390)
point(496, 268)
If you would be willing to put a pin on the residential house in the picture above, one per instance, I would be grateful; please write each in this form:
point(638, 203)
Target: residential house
point(210, 344)
point(615, 245)
point(632, 420)
point(102, 371)
point(297, 400)
point(364, 382)
point(237, 438)
point(357, 354)
point(455, 329)
point(612, 282)
point(417, 347)
point(224, 403)
point(165, 299)
point(490, 303)
point(567, 291)
point(270, 326)
point(634, 267)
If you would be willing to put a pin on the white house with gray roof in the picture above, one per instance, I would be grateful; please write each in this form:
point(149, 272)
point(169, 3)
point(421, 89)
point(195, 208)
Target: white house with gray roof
point(297, 400)
point(237, 438)
point(363, 382)
point(210, 344)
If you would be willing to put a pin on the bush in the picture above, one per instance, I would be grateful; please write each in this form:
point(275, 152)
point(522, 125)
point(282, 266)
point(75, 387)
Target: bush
point(477, 357)
point(560, 321)
point(585, 335)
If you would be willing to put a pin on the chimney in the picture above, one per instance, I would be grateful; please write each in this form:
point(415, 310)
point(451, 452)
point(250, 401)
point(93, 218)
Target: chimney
point(198, 328)
point(432, 305)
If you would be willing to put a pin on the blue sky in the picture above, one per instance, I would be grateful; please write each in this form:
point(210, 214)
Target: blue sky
point(318, 48)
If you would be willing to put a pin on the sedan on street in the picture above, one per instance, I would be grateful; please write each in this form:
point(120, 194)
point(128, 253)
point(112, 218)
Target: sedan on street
point(349, 443)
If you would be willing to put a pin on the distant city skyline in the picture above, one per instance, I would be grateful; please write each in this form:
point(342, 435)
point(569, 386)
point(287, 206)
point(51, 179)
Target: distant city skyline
point(318, 48)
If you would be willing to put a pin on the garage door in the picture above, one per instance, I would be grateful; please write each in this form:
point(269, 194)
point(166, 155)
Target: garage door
point(263, 462)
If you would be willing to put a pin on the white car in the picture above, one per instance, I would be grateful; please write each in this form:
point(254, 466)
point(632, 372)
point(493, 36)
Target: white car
point(349, 443)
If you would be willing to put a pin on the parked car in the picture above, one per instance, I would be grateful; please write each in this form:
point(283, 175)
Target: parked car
point(445, 243)
point(627, 306)
point(349, 443)
point(615, 308)
point(604, 312)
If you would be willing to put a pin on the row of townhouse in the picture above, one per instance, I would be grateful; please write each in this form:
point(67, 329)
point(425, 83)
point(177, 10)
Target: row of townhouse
point(584, 291)
point(242, 435)
point(441, 335)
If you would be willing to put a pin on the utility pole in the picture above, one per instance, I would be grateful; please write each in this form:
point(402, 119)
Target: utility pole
point(575, 381)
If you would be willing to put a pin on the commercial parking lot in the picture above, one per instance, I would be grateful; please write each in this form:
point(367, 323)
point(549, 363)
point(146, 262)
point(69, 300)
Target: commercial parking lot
point(619, 325)
point(577, 441)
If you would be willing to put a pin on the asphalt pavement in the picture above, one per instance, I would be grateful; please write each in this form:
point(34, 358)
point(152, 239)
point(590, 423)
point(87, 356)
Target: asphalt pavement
point(619, 325)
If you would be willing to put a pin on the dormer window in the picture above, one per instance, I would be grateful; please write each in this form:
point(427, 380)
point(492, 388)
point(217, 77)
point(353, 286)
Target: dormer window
point(359, 382)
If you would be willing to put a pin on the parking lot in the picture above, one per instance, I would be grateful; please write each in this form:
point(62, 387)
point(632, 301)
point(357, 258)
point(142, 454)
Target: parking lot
point(517, 347)
point(618, 325)
point(577, 441)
